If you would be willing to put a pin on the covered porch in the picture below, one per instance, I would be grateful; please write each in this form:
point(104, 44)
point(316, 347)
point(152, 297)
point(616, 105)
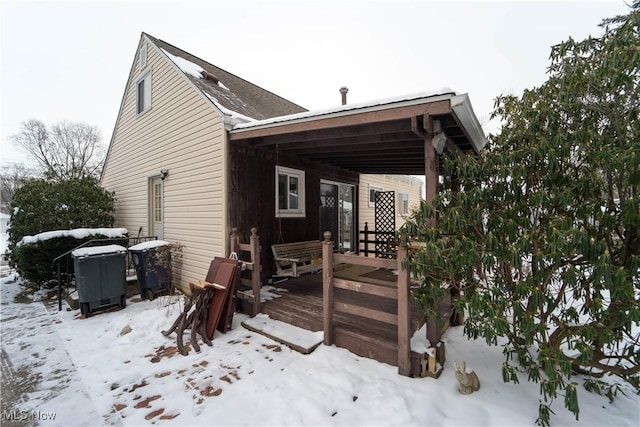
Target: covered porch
point(357, 301)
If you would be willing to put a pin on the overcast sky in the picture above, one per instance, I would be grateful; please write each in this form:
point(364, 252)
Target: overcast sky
point(71, 60)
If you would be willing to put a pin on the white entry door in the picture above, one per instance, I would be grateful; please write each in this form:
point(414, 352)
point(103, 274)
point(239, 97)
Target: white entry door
point(156, 212)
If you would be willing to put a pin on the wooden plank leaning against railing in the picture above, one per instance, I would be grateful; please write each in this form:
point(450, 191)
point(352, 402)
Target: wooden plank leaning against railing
point(401, 294)
point(253, 248)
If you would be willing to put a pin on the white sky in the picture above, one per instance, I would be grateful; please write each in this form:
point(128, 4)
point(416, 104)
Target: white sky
point(71, 60)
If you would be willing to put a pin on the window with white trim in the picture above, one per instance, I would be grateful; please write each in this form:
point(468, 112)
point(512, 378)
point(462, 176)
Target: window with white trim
point(403, 203)
point(289, 193)
point(143, 94)
point(143, 57)
point(372, 195)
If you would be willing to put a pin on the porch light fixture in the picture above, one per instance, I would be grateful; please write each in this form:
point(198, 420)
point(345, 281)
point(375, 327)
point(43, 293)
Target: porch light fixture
point(439, 142)
point(164, 173)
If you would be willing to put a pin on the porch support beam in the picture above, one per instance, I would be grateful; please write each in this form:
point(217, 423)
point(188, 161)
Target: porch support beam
point(346, 143)
point(452, 148)
point(327, 288)
point(331, 135)
point(431, 172)
point(404, 312)
point(416, 128)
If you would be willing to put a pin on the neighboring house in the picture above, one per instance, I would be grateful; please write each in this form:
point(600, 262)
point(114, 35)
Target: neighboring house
point(4, 222)
point(4, 236)
point(197, 150)
point(408, 193)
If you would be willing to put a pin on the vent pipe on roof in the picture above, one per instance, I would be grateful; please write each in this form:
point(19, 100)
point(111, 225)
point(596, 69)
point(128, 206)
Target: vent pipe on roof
point(343, 92)
point(209, 76)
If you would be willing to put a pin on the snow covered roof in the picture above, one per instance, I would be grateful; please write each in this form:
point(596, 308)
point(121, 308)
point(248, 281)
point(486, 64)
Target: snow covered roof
point(460, 104)
point(250, 113)
point(346, 109)
point(233, 96)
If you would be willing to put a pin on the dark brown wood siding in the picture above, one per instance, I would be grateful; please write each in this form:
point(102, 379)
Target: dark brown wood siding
point(252, 199)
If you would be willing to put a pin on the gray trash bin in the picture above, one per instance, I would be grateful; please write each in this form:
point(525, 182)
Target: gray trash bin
point(101, 277)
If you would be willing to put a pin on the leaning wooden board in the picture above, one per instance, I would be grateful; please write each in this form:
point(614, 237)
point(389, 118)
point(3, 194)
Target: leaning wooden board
point(221, 303)
point(226, 318)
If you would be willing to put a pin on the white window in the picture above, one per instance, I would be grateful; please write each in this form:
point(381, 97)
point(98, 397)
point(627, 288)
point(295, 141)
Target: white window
point(143, 94)
point(143, 57)
point(289, 193)
point(403, 203)
point(372, 195)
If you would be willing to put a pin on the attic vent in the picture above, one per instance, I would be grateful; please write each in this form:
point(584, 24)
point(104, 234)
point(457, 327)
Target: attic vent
point(143, 57)
point(208, 76)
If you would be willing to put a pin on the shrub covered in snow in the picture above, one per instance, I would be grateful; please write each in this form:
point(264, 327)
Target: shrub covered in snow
point(33, 256)
point(42, 205)
point(539, 235)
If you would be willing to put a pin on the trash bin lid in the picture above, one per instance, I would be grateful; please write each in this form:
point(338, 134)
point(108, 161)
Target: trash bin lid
point(148, 245)
point(97, 250)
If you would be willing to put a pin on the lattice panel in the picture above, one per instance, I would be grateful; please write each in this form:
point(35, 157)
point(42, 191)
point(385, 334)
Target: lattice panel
point(329, 212)
point(385, 222)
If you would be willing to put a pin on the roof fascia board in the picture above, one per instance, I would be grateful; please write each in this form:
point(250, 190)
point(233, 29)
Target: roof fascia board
point(463, 112)
point(376, 113)
point(124, 95)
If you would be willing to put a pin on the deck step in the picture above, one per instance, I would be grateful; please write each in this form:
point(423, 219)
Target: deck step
point(296, 338)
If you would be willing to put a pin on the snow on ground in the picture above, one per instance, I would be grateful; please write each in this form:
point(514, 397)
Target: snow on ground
point(95, 371)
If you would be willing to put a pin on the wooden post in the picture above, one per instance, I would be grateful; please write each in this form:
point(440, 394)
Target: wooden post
point(404, 312)
point(234, 241)
point(327, 288)
point(431, 173)
point(366, 239)
point(254, 242)
point(433, 330)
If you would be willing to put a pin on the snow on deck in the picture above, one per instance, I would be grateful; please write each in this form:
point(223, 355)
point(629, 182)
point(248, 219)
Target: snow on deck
point(298, 339)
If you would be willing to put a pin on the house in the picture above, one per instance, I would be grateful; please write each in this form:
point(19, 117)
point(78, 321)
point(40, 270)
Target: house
point(197, 150)
point(4, 222)
point(407, 194)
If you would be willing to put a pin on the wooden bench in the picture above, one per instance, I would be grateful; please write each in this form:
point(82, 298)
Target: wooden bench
point(294, 259)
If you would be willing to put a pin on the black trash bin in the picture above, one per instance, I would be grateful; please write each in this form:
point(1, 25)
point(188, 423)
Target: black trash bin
point(153, 271)
point(101, 277)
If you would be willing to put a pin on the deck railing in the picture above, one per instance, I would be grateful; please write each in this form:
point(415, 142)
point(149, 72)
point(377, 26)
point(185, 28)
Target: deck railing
point(384, 243)
point(400, 293)
point(252, 264)
point(65, 267)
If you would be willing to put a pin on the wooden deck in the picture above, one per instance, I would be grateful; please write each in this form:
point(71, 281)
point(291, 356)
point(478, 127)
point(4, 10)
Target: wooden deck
point(300, 304)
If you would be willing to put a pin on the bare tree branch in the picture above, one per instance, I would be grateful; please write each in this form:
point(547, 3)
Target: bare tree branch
point(64, 150)
point(11, 178)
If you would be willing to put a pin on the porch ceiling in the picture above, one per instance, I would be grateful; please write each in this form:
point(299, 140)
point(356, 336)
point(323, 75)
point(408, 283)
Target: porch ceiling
point(383, 138)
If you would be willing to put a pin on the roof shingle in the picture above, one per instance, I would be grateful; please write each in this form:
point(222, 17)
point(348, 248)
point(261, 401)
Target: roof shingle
point(234, 93)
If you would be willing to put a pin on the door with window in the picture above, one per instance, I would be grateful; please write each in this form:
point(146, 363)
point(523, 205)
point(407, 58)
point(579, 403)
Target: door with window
point(337, 214)
point(156, 211)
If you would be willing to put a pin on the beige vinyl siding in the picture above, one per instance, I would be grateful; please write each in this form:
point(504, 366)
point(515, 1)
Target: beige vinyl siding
point(183, 134)
point(397, 183)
